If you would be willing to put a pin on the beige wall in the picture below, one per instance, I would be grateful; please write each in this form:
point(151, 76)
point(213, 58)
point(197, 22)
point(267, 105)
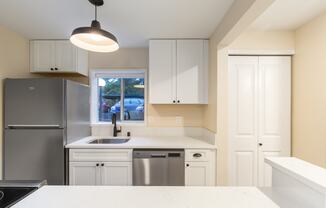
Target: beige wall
point(123, 58)
point(14, 63)
point(241, 14)
point(264, 40)
point(157, 115)
point(238, 17)
point(249, 41)
point(309, 92)
point(210, 109)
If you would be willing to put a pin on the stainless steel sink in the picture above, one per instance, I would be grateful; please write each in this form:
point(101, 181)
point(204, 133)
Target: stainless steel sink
point(109, 141)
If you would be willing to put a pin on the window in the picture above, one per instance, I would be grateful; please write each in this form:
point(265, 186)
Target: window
point(120, 93)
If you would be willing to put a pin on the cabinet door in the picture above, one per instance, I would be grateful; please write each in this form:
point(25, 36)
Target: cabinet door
point(192, 71)
point(84, 173)
point(274, 105)
point(65, 56)
point(243, 115)
point(198, 174)
point(116, 174)
point(162, 71)
point(42, 56)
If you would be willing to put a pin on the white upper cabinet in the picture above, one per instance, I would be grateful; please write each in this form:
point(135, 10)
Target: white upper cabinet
point(42, 55)
point(178, 71)
point(57, 56)
point(65, 56)
point(192, 71)
point(162, 74)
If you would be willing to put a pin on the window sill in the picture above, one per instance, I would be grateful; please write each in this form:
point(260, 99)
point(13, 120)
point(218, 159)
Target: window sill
point(119, 123)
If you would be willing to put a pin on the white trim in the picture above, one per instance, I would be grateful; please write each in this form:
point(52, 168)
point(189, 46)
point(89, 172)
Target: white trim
point(93, 98)
point(125, 123)
point(288, 52)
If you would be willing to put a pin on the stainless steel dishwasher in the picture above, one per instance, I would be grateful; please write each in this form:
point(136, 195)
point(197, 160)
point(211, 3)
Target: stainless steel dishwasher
point(158, 167)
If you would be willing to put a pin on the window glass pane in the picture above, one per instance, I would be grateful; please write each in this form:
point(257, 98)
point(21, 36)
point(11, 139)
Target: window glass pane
point(109, 98)
point(134, 99)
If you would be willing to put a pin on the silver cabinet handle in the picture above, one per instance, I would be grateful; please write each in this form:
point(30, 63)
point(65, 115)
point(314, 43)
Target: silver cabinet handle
point(23, 126)
point(197, 155)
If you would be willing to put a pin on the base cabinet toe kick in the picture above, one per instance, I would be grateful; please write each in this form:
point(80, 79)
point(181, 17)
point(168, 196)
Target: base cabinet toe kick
point(114, 167)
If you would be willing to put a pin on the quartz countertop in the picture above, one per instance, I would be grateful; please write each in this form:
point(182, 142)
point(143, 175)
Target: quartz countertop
point(309, 174)
point(181, 142)
point(146, 197)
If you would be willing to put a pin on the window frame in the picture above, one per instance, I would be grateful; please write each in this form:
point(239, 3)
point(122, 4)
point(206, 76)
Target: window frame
point(95, 73)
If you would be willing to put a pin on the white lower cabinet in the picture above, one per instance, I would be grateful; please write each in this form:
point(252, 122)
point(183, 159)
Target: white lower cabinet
point(200, 167)
point(100, 167)
point(197, 174)
point(113, 167)
point(116, 174)
point(84, 173)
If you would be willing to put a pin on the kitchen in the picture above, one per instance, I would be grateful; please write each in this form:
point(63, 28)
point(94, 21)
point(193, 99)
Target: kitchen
point(171, 92)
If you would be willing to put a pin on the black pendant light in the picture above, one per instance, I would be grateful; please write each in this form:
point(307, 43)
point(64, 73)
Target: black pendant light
point(94, 38)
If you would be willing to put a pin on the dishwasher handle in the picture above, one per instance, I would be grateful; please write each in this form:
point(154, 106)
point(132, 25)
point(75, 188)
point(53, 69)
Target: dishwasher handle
point(158, 155)
point(164, 153)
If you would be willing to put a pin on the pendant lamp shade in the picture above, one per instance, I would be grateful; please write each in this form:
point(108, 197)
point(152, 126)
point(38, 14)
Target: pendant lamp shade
point(94, 38)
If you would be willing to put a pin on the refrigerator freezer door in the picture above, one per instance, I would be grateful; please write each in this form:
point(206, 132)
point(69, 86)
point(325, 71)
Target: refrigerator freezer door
point(31, 154)
point(34, 102)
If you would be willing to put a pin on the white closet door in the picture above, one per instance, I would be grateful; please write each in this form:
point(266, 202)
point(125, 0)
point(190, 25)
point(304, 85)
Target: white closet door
point(274, 123)
point(243, 115)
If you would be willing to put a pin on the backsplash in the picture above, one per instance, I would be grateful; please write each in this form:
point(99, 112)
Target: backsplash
point(196, 132)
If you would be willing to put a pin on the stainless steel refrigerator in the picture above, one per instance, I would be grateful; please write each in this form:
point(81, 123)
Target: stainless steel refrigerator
point(42, 115)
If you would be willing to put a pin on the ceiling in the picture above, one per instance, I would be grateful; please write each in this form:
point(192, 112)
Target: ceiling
point(132, 21)
point(289, 14)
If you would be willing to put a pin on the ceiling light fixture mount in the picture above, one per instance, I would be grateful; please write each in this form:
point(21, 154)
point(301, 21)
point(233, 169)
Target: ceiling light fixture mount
point(94, 38)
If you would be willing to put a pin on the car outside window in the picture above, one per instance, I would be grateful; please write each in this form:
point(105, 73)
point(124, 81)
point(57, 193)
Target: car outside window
point(123, 96)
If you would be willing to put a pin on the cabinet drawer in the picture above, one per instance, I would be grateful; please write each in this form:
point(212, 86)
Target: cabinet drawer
point(102, 155)
point(198, 155)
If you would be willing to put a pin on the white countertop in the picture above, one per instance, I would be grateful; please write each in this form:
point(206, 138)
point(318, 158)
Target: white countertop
point(147, 142)
point(309, 174)
point(146, 197)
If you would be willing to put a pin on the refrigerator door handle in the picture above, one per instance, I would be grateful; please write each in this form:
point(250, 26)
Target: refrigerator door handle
point(57, 126)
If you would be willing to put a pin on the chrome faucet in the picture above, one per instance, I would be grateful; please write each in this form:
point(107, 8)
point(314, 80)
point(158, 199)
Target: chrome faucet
point(114, 122)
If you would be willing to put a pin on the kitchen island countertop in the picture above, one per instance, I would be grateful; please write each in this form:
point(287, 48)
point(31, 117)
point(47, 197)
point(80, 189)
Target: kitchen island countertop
point(146, 197)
